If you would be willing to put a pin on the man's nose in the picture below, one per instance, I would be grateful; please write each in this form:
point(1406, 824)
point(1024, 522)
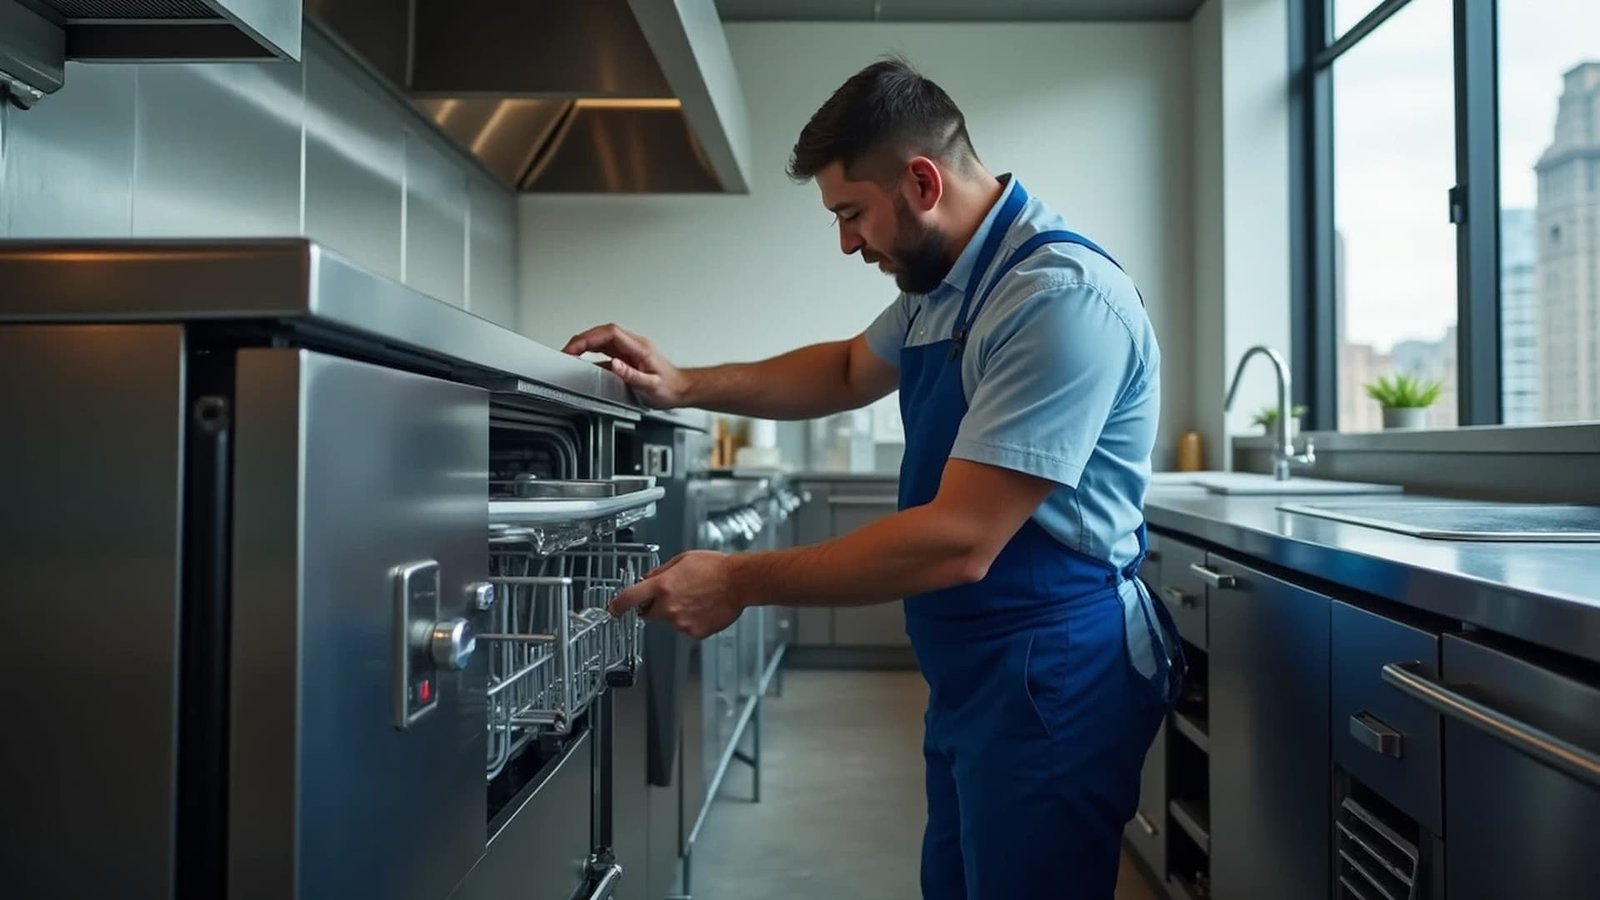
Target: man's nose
point(849, 241)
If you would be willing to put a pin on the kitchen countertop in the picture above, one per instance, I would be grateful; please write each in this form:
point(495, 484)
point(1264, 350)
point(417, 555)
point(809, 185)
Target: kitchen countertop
point(822, 475)
point(296, 284)
point(1546, 593)
point(695, 419)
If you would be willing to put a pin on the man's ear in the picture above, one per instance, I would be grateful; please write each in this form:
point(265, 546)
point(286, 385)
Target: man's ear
point(923, 184)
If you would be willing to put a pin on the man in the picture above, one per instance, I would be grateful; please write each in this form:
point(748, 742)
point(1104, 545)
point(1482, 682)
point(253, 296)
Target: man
point(1028, 377)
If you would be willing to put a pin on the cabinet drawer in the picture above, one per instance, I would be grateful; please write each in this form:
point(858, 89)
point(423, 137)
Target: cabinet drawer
point(1385, 739)
point(1150, 569)
point(1182, 590)
point(813, 626)
point(1524, 798)
point(1146, 832)
point(878, 625)
point(852, 513)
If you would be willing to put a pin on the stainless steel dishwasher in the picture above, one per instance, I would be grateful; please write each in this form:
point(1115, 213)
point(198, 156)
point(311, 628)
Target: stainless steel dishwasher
point(326, 562)
point(1521, 746)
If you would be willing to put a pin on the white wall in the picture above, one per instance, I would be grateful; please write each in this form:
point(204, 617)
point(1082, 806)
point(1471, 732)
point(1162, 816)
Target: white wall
point(1241, 212)
point(1094, 118)
point(1209, 280)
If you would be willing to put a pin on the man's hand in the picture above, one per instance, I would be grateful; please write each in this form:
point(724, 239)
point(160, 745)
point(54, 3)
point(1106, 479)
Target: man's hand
point(637, 362)
point(694, 593)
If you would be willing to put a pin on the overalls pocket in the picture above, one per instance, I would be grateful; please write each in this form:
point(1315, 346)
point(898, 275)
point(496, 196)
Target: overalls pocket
point(1073, 668)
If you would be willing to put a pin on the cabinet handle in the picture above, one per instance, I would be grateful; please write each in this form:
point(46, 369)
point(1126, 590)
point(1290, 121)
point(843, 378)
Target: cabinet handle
point(1539, 745)
point(1376, 736)
point(870, 500)
point(1145, 825)
point(606, 883)
point(1174, 595)
point(1212, 577)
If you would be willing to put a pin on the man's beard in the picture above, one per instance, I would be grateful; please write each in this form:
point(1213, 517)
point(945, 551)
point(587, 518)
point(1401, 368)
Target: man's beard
point(922, 254)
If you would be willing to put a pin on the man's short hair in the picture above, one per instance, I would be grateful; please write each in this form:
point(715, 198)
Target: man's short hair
point(883, 116)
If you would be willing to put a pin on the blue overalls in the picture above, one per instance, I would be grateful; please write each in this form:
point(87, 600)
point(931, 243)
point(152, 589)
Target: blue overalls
point(1037, 722)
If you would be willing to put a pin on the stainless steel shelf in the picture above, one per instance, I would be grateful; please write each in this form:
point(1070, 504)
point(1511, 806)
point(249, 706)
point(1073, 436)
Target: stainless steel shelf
point(1179, 888)
point(1192, 822)
point(749, 711)
point(557, 512)
point(1191, 729)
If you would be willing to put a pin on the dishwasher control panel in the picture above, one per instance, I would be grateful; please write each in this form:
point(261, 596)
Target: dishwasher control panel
point(416, 676)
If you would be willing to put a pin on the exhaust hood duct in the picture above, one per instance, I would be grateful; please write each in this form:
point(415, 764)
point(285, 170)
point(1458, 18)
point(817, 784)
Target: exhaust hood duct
point(569, 96)
point(37, 37)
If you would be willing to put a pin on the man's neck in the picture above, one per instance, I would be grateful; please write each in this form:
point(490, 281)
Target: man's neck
point(971, 198)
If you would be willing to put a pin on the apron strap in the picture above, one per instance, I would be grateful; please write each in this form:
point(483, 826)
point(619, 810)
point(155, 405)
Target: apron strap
point(963, 323)
point(1009, 211)
point(1131, 570)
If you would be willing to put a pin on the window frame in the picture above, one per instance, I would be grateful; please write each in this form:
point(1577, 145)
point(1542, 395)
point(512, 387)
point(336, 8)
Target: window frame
point(1472, 204)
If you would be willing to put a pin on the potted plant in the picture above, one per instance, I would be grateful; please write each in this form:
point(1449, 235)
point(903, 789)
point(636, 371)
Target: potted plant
point(1405, 399)
point(1267, 418)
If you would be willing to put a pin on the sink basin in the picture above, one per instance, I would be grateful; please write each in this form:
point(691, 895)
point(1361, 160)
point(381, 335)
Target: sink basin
point(1254, 483)
point(1463, 521)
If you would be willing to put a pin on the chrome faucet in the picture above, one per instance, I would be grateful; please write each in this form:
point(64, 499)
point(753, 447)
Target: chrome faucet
point(1283, 452)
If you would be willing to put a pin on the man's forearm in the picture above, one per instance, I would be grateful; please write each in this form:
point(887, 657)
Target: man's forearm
point(804, 383)
point(912, 552)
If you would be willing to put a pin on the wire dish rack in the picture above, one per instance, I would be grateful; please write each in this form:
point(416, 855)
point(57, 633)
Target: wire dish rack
point(553, 647)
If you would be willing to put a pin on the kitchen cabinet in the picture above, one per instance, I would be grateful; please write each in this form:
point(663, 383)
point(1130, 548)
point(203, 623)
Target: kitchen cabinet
point(1179, 587)
point(838, 508)
point(1268, 671)
point(1381, 737)
point(1146, 832)
point(1335, 747)
point(1522, 772)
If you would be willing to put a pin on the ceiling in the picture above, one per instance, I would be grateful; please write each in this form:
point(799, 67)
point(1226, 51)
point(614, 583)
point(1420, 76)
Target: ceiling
point(955, 10)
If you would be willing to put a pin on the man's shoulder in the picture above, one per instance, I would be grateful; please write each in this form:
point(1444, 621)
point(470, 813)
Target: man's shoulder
point(1067, 294)
point(1072, 280)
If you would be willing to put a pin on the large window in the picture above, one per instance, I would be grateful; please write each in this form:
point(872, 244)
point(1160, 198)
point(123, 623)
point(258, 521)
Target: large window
point(1549, 112)
point(1394, 161)
point(1448, 174)
point(1346, 13)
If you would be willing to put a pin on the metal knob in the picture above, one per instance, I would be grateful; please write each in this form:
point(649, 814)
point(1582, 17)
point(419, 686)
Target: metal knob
point(712, 536)
point(452, 643)
point(482, 595)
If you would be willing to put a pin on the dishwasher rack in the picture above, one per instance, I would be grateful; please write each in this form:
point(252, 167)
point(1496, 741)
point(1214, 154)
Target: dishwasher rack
point(553, 646)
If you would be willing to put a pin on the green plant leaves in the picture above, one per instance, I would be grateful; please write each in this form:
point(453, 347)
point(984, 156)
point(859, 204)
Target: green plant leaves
point(1404, 391)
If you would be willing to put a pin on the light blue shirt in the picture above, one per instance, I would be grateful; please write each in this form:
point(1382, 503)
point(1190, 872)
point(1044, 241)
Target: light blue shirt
point(1062, 379)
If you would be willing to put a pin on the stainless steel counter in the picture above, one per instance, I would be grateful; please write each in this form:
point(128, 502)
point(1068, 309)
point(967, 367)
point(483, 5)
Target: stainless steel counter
point(294, 282)
point(699, 420)
point(822, 475)
point(1544, 593)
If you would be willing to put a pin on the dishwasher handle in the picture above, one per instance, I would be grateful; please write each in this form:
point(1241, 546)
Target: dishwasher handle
point(1539, 745)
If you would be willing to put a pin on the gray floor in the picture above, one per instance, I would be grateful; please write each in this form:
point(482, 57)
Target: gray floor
point(841, 809)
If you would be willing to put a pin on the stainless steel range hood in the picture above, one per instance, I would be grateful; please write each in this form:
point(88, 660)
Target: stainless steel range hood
point(37, 37)
point(570, 96)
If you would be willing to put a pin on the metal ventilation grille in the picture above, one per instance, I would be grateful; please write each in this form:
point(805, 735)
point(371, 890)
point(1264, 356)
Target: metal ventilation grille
point(133, 9)
point(1375, 862)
